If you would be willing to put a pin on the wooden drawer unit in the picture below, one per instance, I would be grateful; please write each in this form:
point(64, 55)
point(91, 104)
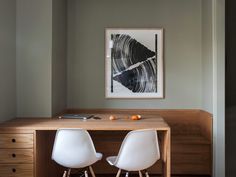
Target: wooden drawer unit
point(16, 140)
point(16, 156)
point(16, 170)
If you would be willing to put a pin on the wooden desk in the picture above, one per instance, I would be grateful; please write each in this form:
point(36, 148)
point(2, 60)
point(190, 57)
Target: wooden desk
point(29, 136)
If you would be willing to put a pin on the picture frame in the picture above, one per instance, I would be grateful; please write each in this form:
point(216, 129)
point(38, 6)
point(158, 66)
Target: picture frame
point(134, 63)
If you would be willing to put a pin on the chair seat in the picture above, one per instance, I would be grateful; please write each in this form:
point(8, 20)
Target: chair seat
point(74, 148)
point(139, 150)
point(111, 160)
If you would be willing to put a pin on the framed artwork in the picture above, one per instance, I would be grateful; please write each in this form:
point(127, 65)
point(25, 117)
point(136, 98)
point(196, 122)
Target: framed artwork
point(134, 63)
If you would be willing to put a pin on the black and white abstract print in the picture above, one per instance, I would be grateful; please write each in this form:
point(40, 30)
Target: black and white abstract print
point(133, 64)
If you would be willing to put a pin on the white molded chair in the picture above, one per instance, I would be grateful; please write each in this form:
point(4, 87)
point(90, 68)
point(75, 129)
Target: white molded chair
point(74, 148)
point(139, 151)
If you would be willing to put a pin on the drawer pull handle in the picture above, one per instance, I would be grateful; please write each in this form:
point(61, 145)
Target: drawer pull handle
point(13, 140)
point(13, 155)
point(13, 170)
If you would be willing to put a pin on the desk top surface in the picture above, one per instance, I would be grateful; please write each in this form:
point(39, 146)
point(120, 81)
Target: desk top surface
point(122, 123)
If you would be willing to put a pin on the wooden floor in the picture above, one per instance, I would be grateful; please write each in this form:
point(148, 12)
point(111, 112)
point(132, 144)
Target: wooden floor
point(136, 175)
point(153, 175)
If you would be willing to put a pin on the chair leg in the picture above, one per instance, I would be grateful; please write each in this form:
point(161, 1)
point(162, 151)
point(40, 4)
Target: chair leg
point(118, 173)
point(68, 173)
point(64, 174)
point(146, 173)
point(140, 173)
point(127, 174)
point(85, 173)
point(91, 171)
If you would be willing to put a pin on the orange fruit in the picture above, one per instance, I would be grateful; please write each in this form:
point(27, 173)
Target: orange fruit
point(136, 117)
point(112, 117)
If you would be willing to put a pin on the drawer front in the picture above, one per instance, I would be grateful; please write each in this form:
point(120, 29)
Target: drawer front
point(18, 170)
point(16, 156)
point(16, 140)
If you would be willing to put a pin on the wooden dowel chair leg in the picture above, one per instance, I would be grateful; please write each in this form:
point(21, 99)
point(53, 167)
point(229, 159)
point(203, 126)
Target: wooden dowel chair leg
point(146, 173)
point(68, 173)
point(85, 173)
point(118, 173)
point(91, 171)
point(140, 173)
point(64, 174)
point(127, 174)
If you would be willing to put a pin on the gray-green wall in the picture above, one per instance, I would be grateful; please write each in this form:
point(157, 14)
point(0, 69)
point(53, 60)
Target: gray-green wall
point(59, 27)
point(181, 21)
point(207, 56)
point(41, 57)
point(33, 54)
point(7, 59)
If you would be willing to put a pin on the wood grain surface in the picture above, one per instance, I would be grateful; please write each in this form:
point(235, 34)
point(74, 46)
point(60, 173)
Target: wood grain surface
point(16, 170)
point(11, 156)
point(16, 140)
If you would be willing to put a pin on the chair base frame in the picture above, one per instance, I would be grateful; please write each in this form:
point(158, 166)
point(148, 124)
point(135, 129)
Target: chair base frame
point(127, 173)
point(85, 172)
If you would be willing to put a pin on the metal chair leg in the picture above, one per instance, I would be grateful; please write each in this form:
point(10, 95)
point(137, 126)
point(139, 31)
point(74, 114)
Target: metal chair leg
point(91, 171)
point(140, 173)
point(118, 173)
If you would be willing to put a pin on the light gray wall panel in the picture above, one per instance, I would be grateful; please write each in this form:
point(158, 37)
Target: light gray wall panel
point(219, 88)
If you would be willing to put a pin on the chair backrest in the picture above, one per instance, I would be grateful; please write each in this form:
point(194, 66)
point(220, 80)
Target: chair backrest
point(139, 150)
point(73, 148)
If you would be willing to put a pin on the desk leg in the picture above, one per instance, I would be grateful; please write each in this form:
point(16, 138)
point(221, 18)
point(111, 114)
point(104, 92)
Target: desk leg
point(166, 153)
